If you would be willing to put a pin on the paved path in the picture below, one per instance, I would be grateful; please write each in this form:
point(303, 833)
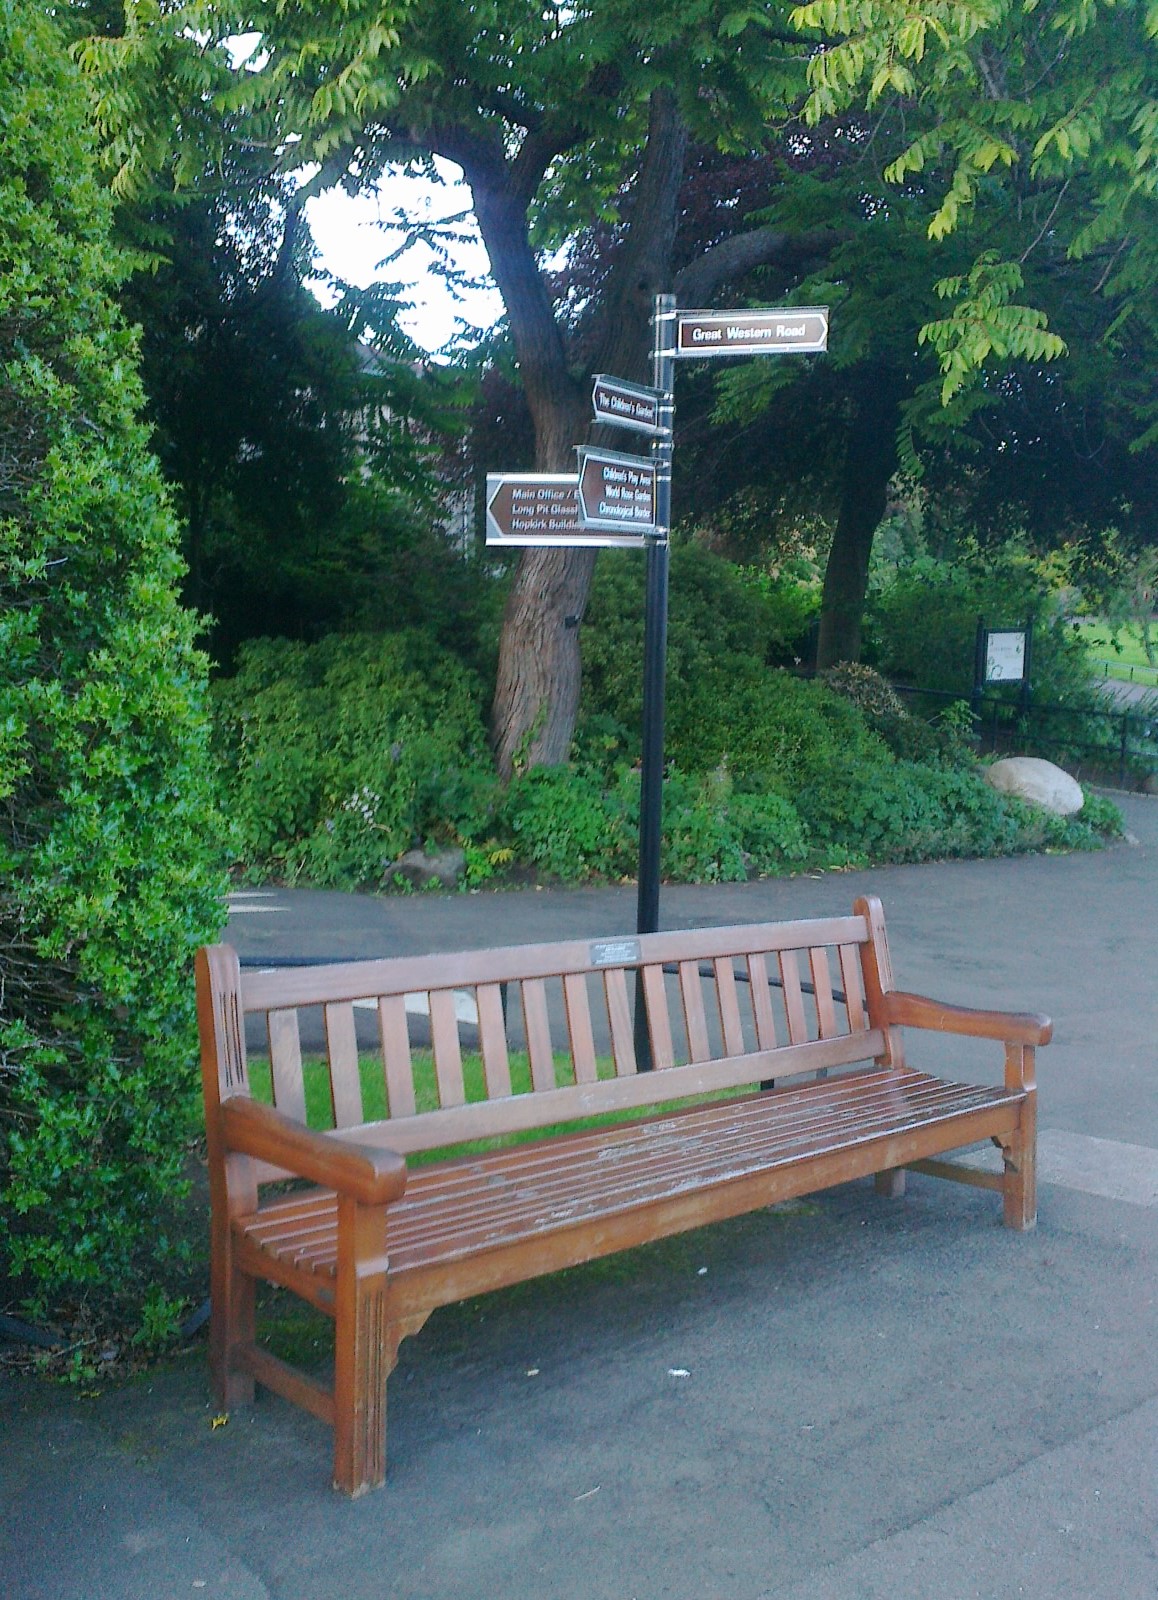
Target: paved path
point(881, 1398)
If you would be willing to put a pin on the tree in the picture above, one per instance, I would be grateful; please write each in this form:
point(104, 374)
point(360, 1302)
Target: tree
point(563, 118)
point(556, 117)
point(109, 838)
point(1016, 197)
point(301, 458)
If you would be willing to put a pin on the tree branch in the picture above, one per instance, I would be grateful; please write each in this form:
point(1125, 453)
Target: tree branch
point(733, 258)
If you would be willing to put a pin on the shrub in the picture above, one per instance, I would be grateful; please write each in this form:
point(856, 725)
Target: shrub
point(109, 850)
point(565, 821)
point(574, 824)
point(902, 811)
point(925, 623)
point(716, 618)
point(348, 752)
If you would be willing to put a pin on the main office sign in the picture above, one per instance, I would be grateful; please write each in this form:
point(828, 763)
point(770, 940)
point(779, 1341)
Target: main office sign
point(792, 330)
point(542, 508)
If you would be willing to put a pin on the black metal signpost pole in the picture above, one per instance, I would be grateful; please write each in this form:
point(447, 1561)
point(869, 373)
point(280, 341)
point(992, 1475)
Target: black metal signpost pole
point(655, 651)
point(620, 499)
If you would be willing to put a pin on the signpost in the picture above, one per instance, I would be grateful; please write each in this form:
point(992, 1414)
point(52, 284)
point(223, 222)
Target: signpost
point(1002, 655)
point(542, 508)
point(626, 405)
point(626, 501)
point(616, 492)
point(793, 330)
point(1005, 655)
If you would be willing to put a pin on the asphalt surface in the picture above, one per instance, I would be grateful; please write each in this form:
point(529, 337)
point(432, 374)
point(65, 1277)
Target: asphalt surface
point(840, 1399)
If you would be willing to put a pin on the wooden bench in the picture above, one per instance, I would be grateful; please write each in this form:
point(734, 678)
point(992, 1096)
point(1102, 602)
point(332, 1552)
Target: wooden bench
point(377, 1243)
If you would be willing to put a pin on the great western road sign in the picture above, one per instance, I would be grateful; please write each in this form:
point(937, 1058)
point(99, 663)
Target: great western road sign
point(616, 491)
point(542, 508)
point(794, 329)
point(628, 405)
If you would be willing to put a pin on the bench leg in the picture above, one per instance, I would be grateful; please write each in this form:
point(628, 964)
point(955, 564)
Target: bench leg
point(890, 1183)
point(233, 1323)
point(362, 1354)
point(1019, 1186)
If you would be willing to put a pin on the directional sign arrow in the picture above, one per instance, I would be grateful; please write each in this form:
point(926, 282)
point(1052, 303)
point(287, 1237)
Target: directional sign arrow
point(542, 508)
point(798, 329)
point(616, 491)
point(627, 405)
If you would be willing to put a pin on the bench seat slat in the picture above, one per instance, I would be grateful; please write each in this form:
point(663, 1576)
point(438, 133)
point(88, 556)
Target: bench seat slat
point(484, 1188)
point(492, 1200)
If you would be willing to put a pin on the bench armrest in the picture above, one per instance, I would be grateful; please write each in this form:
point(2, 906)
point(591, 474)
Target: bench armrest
point(370, 1175)
point(1012, 1027)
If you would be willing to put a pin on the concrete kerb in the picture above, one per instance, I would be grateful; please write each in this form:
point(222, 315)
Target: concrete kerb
point(879, 1396)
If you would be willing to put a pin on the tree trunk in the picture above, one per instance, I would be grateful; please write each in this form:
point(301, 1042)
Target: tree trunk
point(536, 700)
point(870, 461)
point(537, 692)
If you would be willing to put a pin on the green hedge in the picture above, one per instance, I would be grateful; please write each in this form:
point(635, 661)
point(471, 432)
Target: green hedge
point(110, 865)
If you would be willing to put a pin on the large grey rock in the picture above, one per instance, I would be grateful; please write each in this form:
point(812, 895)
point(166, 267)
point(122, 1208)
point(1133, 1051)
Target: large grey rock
point(1038, 782)
point(420, 870)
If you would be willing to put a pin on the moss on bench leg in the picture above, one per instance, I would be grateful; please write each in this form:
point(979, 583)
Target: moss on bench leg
point(363, 1354)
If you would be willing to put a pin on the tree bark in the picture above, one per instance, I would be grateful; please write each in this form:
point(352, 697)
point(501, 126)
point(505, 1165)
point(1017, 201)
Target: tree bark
point(536, 702)
point(870, 461)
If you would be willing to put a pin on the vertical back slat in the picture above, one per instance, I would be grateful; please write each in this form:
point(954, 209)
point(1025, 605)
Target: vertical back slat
point(850, 983)
point(692, 995)
point(492, 1038)
point(793, 997)
point(619, 1017)
point(285, 1060)
point(342, 1049)
point(579, 1030)
point(394, 1032)
point(658, 1021)
point(447, 1050)
point(822, 988)
point(538, 1030)
point(761, 1002)
point(730, 1024)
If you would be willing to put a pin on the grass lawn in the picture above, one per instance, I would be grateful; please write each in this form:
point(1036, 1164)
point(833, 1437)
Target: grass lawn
point(1122, 651)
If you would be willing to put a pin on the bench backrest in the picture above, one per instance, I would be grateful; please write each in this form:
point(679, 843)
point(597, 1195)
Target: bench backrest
point(725, 1008)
